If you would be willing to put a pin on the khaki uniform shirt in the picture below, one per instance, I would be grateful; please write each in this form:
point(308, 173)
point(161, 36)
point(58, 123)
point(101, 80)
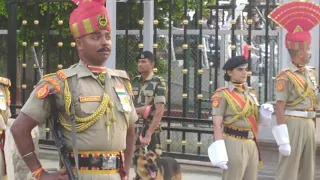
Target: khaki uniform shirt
point(220, 106)
point(86, 91)
point(150, 92)
point(286, 91)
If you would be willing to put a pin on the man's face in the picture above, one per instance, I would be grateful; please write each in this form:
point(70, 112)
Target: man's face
point(305, 55)
point(95, 47)
point(145, 65)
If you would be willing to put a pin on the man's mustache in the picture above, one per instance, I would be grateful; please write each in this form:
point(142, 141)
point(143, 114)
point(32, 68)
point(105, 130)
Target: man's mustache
point(105, 49)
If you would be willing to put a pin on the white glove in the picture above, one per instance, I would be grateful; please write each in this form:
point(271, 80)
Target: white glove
point(266, 111)
point(218, 154)
point(281, 135)
point(285, 149)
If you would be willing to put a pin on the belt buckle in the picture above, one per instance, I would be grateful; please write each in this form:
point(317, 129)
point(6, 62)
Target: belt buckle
point(109, 162)
point(311, 114)
point(250, 135)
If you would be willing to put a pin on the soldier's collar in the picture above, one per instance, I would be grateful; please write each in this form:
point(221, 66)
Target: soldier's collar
point(83, 70)
point(150, 76)
point(294, 68)
point(97, 69)
point(233, 86)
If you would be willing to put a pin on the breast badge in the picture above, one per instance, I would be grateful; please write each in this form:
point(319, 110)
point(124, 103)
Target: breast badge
point(42, 91)
point(123, 97)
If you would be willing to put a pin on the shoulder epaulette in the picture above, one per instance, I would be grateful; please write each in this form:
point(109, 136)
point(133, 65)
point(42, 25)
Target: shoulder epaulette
point(137, 77)
point(5, 81)
point(161, 79)
point(251, 89)
point(53, 82)
point(73, 66)
point(47, 75)
point(65, 73)
point(220, 89)
point(283, 71)
point(310, 67)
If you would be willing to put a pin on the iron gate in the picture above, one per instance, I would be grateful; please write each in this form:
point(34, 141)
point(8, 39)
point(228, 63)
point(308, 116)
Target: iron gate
point(190, 52)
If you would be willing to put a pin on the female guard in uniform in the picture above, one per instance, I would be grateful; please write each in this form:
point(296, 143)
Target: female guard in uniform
point(236, 119)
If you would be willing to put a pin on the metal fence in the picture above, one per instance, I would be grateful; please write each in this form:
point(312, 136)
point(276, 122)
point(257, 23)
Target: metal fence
point(189, 57)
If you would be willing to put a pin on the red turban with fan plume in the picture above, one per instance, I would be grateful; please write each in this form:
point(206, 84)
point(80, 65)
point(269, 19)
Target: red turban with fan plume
point(90, 16)
point(298, 18)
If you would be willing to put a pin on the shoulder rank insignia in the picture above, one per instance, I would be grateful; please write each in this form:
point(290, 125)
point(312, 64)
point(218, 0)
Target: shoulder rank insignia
point(282, 78)
point(280, 86)
point(61, 75)
point(42, 91)
point(216, 98)
point(219, 89)
point(252, 90)
point(54, 83)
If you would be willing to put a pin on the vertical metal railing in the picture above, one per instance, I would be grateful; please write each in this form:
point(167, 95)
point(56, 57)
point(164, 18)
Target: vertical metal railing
point(249, 22)
point(199, 61)
point(185, 47)
point(155, 36)
point(141, 22)
point(48, 19)
point(60, 42)
point(233, 28)
point(211, 63)
point(216, 68)
point(169, 71)
point(24, 54)
point(126, 26)
point(266, 52)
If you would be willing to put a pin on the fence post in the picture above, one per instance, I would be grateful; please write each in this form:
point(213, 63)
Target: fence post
point(112, 9)
point(12, 53)
point(148, 11)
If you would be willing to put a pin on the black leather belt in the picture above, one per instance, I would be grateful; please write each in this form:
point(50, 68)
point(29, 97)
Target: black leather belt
point(238, 133)
point(97, 161)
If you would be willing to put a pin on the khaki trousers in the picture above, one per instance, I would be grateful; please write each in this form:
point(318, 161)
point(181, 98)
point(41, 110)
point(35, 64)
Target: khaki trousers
point(301, 162)
point(243, 159)
point(2, 166)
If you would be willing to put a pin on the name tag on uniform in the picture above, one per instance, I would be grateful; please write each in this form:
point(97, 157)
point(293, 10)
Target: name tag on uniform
point(3, 105)
point(123, 97)
point(90, 99)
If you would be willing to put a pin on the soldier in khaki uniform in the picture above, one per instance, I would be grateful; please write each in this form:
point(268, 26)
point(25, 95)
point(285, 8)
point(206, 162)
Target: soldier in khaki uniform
point(236, 107)
point(296, 92)
point(4, 116)
point(149, 92)
point(100, 97)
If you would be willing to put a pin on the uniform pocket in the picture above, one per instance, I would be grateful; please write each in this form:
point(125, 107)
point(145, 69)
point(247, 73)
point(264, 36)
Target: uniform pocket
point(89, 108)
point(149, 96)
